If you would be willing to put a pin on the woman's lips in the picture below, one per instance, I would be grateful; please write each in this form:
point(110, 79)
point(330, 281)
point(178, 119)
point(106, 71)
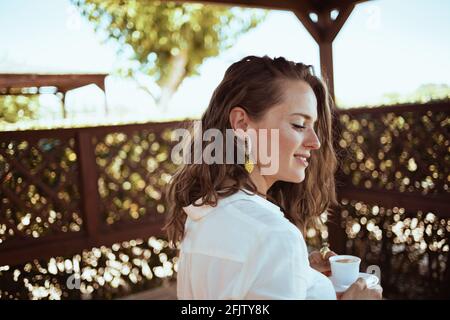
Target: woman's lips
point(302, 159)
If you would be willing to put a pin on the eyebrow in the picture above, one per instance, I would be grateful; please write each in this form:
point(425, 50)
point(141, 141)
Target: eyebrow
point(307, 117)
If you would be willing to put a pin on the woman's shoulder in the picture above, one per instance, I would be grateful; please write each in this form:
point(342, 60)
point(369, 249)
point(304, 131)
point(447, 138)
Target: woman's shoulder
point(258, 215)
point(253, 201)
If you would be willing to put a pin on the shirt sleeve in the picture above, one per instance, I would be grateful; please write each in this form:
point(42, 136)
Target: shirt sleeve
point(277, 268)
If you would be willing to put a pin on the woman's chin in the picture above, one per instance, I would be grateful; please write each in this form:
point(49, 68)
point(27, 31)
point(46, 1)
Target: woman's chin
point(296, 177)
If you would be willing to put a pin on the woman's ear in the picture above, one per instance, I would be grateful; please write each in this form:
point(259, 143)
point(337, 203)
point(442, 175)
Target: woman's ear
point(238, 118)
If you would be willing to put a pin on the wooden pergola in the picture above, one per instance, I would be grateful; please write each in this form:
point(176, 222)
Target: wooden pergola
point(13, 84)
point(324, 29)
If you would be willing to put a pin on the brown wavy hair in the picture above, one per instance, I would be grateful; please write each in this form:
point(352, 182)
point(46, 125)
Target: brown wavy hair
point(256, 85)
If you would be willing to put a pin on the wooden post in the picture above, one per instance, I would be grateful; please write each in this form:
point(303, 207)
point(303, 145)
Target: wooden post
point(89, 188)
point(326, 65)
point(336, 234)
point(106, 103)
point(102, 85)
point(63, 104)
point(324, 31)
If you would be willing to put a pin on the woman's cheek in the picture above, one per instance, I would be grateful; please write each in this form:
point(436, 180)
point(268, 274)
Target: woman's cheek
point(292, 143)
point(288, 147)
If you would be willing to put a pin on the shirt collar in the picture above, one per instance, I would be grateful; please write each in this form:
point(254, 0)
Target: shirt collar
point(197, 212)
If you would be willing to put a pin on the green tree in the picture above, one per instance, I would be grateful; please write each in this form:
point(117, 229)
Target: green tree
point(430, 91)
point(422, 94)
point(15, 108)
point(168, 40)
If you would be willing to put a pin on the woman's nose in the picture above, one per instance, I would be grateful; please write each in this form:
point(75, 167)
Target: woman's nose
point(312, 141)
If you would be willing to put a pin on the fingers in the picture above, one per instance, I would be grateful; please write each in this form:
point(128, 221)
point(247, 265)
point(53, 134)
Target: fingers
point(361, 283)
point(359, 291)
point(378, 291)
point(377, 287)
point(358, 285)
point(323, 254)
point(315, 257)
point(330, 254)
point(372, 293)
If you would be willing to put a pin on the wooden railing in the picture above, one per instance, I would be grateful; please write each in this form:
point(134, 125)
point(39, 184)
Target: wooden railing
point(66, 190)
point(393, 187)
point(53, 199)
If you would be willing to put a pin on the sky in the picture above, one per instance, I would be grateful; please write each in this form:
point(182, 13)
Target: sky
point(385, 46)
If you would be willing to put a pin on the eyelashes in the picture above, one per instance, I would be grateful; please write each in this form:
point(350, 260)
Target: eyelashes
point(298, 127)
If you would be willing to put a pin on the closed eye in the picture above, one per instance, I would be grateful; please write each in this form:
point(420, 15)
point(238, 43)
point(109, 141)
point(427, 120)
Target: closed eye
point(298, 126)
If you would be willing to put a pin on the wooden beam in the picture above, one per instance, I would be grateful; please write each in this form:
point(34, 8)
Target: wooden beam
point(329, 5)
point(263, 4)
point(309, 25)
point(316, 5)
point(68, 133)
point(336, 26)
point(64, 82)
point(75, 243)
point(434, 106)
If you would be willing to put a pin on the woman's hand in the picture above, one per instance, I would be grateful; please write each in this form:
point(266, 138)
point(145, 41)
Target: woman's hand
point(319, 262)
point(359, 291)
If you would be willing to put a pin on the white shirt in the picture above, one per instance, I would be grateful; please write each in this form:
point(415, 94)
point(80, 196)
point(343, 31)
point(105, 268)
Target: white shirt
point(244, 248)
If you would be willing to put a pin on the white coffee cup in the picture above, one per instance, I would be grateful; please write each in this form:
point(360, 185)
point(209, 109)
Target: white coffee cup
point(344, 269)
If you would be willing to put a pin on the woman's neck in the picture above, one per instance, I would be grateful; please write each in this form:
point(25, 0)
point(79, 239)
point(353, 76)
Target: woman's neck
point(262, 183)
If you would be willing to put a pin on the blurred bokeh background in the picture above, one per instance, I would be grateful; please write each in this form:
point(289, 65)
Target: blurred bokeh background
point(90, 91)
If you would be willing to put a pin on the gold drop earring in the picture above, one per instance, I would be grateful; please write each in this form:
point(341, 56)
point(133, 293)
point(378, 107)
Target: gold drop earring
point(249, 164)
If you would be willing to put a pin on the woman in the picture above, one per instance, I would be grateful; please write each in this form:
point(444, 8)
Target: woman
point(240, 227)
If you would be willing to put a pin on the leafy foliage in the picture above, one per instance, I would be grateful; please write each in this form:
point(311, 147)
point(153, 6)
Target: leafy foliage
point(423, 94)
point(168, 40)
point(16, 108)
